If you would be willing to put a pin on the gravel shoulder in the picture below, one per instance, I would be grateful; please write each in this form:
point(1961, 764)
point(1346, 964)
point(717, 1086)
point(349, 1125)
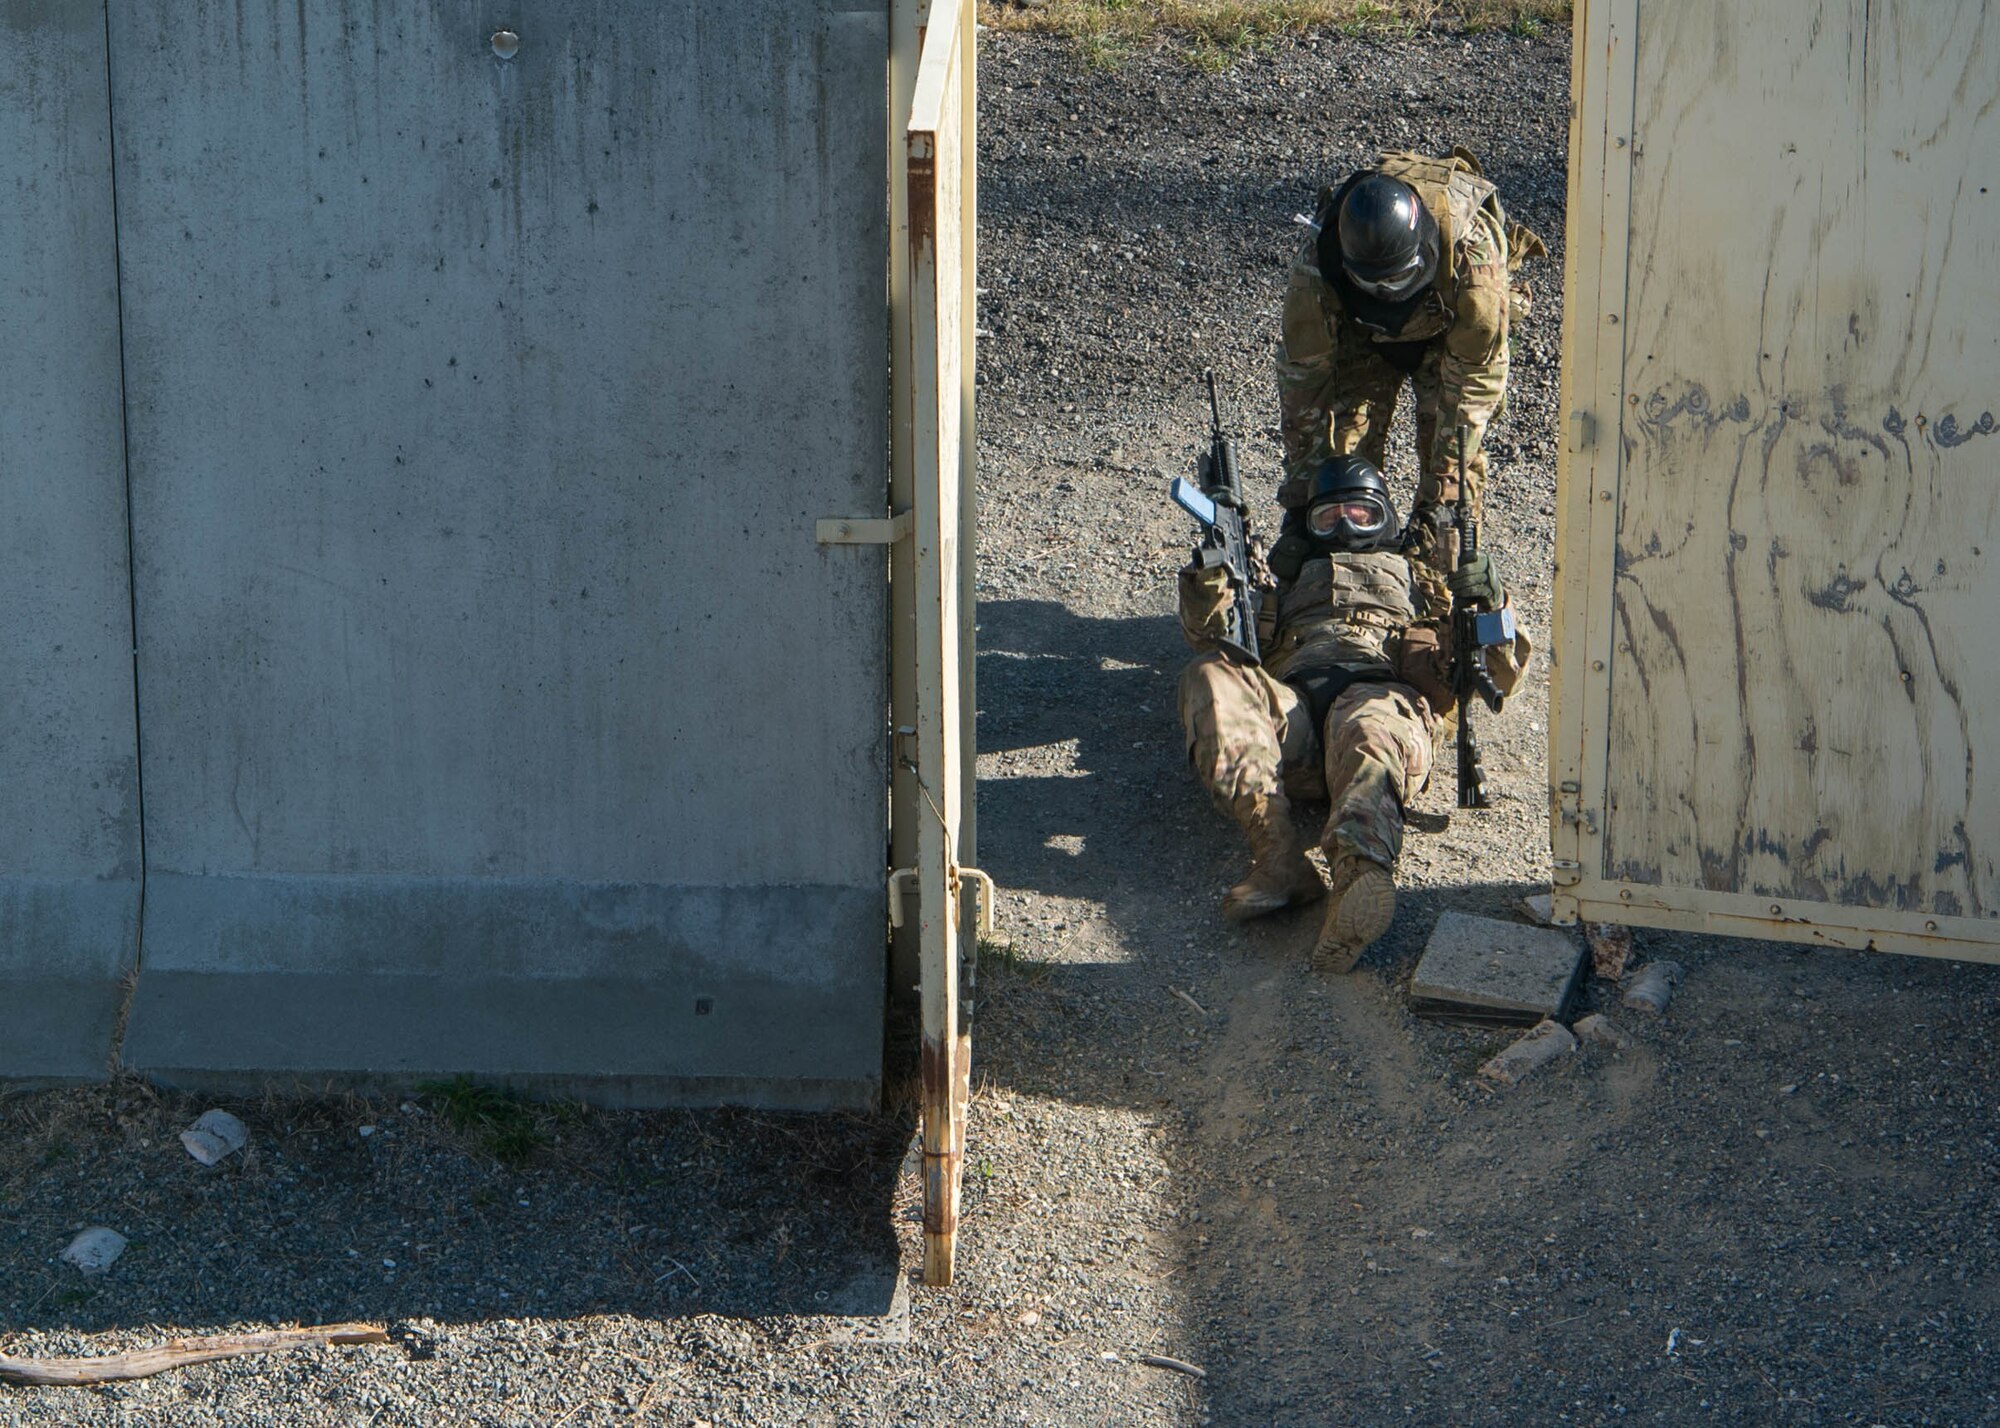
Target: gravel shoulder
point(1776, 1206)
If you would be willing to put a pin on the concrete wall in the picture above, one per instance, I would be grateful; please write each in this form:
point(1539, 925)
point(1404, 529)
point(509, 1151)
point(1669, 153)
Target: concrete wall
point(69, 793)
point(499, 712)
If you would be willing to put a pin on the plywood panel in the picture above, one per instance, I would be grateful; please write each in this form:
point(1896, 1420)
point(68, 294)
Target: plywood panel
point(1805, 679)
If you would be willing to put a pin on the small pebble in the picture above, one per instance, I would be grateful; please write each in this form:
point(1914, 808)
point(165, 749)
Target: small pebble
point(1599, 1030)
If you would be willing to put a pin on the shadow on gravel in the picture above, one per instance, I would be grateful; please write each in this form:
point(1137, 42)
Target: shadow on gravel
point(1085, 798)
point(346, 1208)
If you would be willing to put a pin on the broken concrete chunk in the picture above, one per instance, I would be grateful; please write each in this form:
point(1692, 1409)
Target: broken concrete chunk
point(1498, 973)
point(95, 1250)
point(1538, 908)
point(214, 1135)
point(1600, 1030)
point(1539, 1047)
point(1652, 986)
point(1610, 948)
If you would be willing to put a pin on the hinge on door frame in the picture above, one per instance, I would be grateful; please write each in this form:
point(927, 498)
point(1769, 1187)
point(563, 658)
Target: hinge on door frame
point(1568, 872)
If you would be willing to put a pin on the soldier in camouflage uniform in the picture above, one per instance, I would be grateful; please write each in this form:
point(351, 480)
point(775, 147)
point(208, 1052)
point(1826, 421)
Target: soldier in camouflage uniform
point(1404, 276)
point(1346, 706)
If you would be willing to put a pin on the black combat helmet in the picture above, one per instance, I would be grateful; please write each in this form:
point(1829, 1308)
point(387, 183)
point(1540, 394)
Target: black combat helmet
point(1350, 508)
point(1387, 239)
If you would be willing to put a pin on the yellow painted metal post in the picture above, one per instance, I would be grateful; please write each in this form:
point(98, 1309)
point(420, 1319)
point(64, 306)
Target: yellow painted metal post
point(939, 342)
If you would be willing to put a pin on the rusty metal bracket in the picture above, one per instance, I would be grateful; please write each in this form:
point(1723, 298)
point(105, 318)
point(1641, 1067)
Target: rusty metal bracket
point(863, 530)
point(899, 879)
point(988, 895)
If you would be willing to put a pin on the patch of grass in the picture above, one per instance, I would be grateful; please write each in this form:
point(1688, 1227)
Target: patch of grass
point(501, 1124)
point(1002, 952)
point(1101, 50)
point(1217, 30)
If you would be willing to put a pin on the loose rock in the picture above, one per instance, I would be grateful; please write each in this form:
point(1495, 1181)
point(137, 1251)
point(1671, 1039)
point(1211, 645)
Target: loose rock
point(1652, 986)
point(1599, 1030)
point(214, 1136)
point(1539, 1047)
point(95, 1250)
point(1610, 948)
point(1538, 908)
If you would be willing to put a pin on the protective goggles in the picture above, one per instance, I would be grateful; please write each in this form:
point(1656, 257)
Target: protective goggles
point(1356, 515)
point(1399, 284)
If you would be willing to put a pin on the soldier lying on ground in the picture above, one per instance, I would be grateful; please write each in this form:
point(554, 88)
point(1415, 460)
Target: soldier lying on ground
point(1348, 705)
point(1404, 276)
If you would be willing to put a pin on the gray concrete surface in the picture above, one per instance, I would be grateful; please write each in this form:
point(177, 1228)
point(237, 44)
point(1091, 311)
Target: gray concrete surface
point(69, 816)
point(498, 701)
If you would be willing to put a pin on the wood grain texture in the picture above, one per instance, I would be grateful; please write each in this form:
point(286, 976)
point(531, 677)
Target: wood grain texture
point(939, 156)
point(1805, 675)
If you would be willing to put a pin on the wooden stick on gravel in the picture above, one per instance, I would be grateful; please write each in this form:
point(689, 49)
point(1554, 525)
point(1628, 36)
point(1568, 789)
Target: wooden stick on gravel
point(179, 1353)
point(1177, 1365)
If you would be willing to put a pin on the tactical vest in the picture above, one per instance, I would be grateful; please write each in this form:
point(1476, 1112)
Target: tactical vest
point(1344, 611)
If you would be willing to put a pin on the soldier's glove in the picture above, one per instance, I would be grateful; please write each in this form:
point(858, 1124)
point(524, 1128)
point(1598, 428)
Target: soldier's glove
point(1476, 582)
point(1261, 577)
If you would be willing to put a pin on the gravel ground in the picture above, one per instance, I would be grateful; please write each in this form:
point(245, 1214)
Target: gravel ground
point(1774, 1207)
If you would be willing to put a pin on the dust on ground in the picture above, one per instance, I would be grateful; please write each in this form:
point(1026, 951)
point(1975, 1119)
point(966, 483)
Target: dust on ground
point(1775, 1207)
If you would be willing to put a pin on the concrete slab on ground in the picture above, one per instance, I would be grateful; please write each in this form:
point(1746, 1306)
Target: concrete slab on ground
point(1500, 973)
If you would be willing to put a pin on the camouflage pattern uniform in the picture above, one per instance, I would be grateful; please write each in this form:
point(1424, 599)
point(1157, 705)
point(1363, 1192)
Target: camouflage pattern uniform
point(1344, 357)
point(1250, 734)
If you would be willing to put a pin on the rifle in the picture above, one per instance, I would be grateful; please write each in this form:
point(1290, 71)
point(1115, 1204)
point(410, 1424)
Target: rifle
point(1217, 502)
point(1473, 629)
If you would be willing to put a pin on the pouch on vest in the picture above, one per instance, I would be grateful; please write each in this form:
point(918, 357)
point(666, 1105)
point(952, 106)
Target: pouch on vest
point(1421, 664)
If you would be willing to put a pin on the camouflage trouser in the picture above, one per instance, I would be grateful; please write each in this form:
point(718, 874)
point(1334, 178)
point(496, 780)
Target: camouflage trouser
point(1366, 385)
point(1248, 733)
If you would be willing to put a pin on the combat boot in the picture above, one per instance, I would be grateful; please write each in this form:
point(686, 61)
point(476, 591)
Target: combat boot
point(1281, 874)
point(1360, 906)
